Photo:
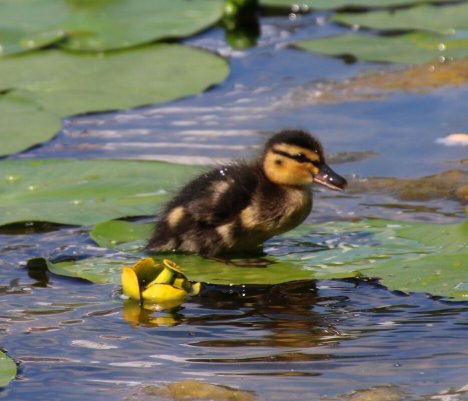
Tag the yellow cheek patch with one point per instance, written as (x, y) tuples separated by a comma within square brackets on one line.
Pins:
[(314, 170)]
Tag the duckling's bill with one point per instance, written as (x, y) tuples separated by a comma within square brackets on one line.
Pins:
[(328, 178)]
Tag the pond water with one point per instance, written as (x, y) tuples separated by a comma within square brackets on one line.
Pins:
[(295, 341)]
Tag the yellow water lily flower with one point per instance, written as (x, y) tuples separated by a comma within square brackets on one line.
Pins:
[(154, 282)]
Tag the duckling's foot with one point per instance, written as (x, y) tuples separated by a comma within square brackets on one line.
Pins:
[(249, 262)]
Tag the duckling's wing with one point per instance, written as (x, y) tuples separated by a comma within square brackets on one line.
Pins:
[(219, 196)]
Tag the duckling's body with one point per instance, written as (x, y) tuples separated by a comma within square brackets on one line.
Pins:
[(234, 209)]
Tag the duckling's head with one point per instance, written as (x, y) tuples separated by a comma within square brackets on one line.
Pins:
[(296, 158)]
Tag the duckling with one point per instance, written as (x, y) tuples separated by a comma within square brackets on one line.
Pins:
[(234, 209)]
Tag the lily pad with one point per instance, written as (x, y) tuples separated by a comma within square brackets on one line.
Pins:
[(110, 234), (412, 48), (101, 25), (337, 4), (57, 83), (94, 270), (406, 256), (84, 191), (18, 132), (7, 369), (442, 19)]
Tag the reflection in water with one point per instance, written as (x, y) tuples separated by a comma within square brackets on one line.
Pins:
[(165, 314), (283, 312)]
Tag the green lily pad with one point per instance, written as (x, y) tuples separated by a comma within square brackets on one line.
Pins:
[(84, 191), (57, 83), (13, 40), (70, 83), (443, 19), (336, 4), (101, 25), (111, 234), (7, 369), (24, 124), (95, 270), (413, 48), (408, 257), (116, 24)]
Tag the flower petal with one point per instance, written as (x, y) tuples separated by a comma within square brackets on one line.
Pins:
[(146, 270), (130, 286), (173, 266), (196, 288), (164, 277), (163, 292)]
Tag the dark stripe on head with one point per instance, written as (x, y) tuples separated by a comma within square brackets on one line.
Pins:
[(299, 157), (297, 138)]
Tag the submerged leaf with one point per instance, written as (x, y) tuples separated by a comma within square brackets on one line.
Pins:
[(450, 184), (191, 390), (374, 84)]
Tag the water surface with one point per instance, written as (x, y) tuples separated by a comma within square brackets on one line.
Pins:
[(296, 341)]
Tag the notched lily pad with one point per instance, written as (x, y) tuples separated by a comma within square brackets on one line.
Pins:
[(7, 369)]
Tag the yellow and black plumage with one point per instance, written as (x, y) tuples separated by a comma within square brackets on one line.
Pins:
[(233, 209)]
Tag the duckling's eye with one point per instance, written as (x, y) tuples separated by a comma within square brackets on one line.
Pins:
[(301, 158)]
